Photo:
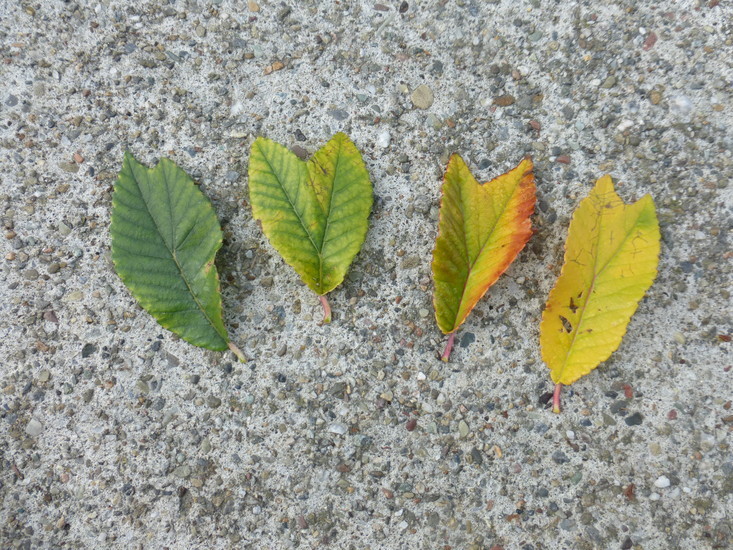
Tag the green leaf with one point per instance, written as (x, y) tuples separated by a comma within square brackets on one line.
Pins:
[(482, 229), (165, 236), (314, 213)]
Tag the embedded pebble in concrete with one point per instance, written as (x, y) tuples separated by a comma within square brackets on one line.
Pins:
[(662, 482), (34, 428), (422, 97), (116, 434)]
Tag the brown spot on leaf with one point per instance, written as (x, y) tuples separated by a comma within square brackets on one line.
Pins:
[(566, 324)]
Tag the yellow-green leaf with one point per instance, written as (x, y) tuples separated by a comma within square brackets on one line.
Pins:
[(314, 213), (611, 257), (165, 236), (481, 230)]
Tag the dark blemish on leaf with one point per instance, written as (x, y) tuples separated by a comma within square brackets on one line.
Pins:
[(566, 324), (573, 307)]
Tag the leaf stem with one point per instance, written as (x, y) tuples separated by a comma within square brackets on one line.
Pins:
[(326, 309), (556, 398), (238, 352), (448, 347)]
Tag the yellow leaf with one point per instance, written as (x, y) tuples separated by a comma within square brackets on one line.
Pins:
[(611, 258)]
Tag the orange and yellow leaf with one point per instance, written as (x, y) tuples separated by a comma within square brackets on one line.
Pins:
[(611, 258), (481, 230)]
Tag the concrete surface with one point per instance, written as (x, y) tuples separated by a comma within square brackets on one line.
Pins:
[(115, 434)]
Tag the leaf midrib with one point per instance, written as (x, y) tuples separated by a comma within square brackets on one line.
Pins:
[(328, 218), (594, 279), (171, 251)]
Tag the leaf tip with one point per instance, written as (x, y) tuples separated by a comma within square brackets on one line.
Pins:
[(341, 136), (605, 184), (454, 159)]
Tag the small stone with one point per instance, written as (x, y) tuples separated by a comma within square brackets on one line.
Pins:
[(232, 175), (707, 442), (30, 274), (559, 457), (276, 66), (87, 350), (200, 31), (253, 6), (383, 139), (87, 395), (655, 97), (610, 82), (477, 456), (338, 428), (422, 97), (299, 152), (44, 376), (680, 105), (467, 339), (182, 471), (463, 429), (434, 122), (504, 100), (34, 428), (634, 420), (213, 402), (662, 482), (338, 114), (649, 41), (411, 262), (411, 424)]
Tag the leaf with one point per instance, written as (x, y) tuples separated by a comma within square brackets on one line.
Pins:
[(611, 257), (314, 213), (481, 230), (165, 236)]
